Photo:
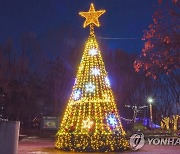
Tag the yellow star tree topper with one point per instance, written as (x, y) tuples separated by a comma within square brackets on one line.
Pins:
[(92, 16), (91, 122)]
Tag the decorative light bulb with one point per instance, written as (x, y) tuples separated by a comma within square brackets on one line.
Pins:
[(112, 120), (75, 81), (87, 123), (95, 71), (107, 81), (77, 94), (93, 51), (90, 87)]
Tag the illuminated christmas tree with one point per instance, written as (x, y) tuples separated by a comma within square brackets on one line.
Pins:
[(91, 121)]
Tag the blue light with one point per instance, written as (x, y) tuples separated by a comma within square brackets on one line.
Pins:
[(112, 120), (77, 94)]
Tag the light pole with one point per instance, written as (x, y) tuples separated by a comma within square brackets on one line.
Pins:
[(150, 101)]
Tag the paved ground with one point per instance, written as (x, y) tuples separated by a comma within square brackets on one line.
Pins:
[(46, 146)]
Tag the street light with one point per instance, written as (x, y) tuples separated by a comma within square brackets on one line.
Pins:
[(150, 101)]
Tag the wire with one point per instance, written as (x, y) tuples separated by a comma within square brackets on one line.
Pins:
[(126, 119), (119, 38)]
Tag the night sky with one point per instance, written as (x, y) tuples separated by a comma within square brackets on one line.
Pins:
[(123, 19)]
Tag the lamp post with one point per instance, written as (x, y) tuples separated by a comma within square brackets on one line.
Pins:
[(150, 101)]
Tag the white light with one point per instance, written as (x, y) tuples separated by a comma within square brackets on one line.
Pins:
[(75, 81), (93, 51), (150, 100), (90, 87), (77, 94), (95, 71), (107, 81)]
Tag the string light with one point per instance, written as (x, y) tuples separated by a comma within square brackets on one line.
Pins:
[(92, 16), (86, 125)]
